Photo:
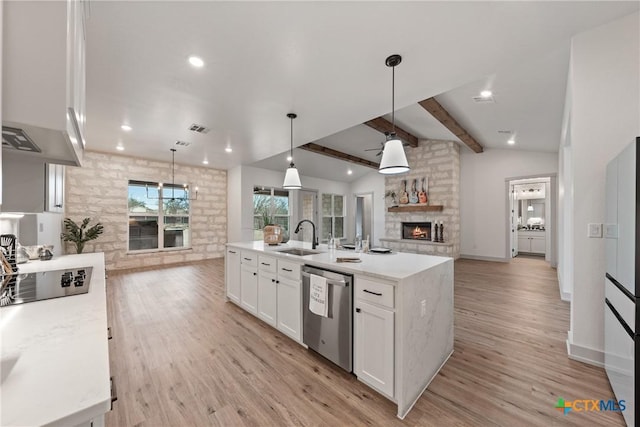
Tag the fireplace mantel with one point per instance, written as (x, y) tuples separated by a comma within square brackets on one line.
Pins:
[(416, 208)]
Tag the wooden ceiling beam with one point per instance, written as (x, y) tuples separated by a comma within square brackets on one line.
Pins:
[(330, 152), (440, 114), (385, 126)]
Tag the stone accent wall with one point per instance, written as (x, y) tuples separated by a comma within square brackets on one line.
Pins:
[(439, 161), (99, 190)]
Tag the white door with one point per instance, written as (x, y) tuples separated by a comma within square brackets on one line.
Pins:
[(513, 223), (289, 308), (267, 298), (373, 346), (249, 289), (232, 275)]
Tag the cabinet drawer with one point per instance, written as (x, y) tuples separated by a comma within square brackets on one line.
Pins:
[(249, 258), (267, 263), (375, 292), (289, 270)]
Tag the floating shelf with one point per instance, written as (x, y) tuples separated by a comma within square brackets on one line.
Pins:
[(416, 208)]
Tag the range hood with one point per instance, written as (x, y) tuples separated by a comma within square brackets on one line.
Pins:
[(50, 145)]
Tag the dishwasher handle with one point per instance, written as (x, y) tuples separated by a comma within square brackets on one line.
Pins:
[(333, 282)]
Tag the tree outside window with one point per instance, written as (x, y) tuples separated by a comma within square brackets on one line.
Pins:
[(270, 206)]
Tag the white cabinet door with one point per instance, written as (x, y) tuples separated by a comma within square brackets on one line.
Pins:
[(524, 244), (627, 203), (232, 275), (249, 289), (374, 346), (290, 307), (538, 245), (267, 297)]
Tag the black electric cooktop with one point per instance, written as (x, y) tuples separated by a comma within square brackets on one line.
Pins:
[(30, 287)]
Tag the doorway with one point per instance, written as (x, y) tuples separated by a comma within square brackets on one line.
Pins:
[(531, 220), (364, 216)]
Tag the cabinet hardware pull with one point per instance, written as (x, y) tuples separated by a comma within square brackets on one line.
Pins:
[(273, 280), (277, 281), (264, 263), (114, 392), (286, 269), (247, 259), (357, 310), (255, 274), (58, 206), (109, 336), (374, 293), (232, 252)]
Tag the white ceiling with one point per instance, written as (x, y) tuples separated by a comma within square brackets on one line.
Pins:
[(324, 61)]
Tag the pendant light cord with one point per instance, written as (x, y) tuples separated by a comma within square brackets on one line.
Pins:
[(291, 152), (173, 173), (393, 99)]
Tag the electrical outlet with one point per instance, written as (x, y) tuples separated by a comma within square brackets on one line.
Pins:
[(595, 230), (423, 308)]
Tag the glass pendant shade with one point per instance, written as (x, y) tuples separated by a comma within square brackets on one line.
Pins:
[(394, 160), (292, 179), (530, 208)]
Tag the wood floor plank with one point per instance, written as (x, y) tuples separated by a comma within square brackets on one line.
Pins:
[(182, 355)]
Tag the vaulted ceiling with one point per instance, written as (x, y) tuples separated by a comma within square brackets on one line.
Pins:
[(324, 61)]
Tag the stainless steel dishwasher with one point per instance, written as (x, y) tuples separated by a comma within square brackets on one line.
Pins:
[(331, 336)]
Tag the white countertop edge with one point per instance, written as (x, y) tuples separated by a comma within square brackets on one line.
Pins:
[(403, 265)]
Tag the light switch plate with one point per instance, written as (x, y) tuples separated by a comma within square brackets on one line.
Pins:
[(611, 231), (595, 230)]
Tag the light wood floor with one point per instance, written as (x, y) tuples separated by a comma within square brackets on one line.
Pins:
[(181, 355)]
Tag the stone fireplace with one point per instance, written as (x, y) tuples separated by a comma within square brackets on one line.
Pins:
[(439, 162), (416, 230)]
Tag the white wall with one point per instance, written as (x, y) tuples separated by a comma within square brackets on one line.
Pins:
[(605, 89), (241, 181), (372, 182), (483, 201)]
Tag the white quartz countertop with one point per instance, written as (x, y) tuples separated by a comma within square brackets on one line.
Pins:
[(54, 353), (394, 266)]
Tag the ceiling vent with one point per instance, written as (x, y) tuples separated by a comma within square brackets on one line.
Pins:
[(505, 132), (199, 128), (183, 143), (483, 100)]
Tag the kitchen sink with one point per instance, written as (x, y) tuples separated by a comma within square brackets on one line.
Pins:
[(298, 251)]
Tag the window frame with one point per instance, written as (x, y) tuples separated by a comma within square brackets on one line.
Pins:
[(161, 219), (332, 216), (271, 195)]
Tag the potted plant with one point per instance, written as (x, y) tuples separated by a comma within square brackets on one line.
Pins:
[(79, 235)]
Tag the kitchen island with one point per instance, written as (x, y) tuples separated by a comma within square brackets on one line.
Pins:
[(55, 355), (402, 308)]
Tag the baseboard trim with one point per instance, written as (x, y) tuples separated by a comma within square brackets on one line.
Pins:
[(484, 258), (564, 296), (586, 355)]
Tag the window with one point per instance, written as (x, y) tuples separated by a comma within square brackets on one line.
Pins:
[(155, 223), (332, 216), (270, 206)]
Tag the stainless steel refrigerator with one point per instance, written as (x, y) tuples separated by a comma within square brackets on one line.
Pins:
[(622, 284)]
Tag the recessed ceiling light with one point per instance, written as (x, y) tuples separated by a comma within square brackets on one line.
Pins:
[(205, 162), (196, 61), (289, 158), (119, 148), (349, 172), (228, 149), (125, 128), (486, 94), (511, 141)]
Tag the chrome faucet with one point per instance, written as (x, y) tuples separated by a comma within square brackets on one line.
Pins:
[(314, 239)]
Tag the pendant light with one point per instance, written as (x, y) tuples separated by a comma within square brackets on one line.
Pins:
[(187, 195), (291, 178), (394, 159)]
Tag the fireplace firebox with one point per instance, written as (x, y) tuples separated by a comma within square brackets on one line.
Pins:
[(416, 230)]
